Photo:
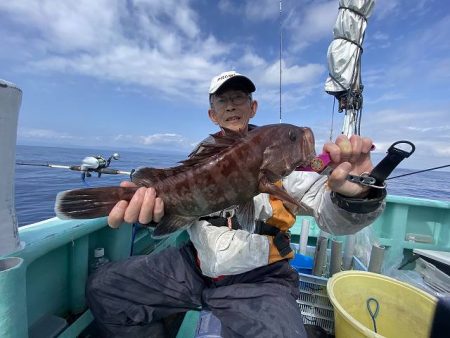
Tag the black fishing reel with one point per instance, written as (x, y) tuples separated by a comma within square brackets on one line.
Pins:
[(96, 164), (88, 165)]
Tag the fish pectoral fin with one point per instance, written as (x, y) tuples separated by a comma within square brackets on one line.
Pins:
[(170, 224), (265, 186), (269, 153)]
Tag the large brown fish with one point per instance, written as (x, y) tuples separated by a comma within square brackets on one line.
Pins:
[(228, 172)]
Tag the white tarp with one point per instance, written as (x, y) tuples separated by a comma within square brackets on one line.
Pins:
[(344, 55)]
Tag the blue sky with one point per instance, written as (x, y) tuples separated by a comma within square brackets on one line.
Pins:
[(135, 74)]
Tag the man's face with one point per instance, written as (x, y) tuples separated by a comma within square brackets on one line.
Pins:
[(232, 109)]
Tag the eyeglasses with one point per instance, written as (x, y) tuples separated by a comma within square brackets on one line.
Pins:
[(237, 99)]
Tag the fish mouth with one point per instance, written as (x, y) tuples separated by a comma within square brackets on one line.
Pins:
[(310, 157), (304, 162)]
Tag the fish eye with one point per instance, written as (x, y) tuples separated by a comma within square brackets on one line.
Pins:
[(292, 136)]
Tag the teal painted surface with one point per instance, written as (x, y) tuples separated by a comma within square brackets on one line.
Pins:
[(13, 307), (48, 285), (78, 326), (43, 237), (54, 285), (78, 273), (406, 223), (57, 253), (189, 325), (116, 242), (56, 260), (412, 201), (409, 223)]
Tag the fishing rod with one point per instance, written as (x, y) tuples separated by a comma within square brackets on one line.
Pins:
[(89, 165)]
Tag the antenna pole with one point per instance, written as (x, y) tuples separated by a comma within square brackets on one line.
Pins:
[(281, 48)]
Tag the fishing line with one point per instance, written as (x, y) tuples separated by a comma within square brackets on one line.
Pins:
[(420, 171), (332, 118), (83, 179)]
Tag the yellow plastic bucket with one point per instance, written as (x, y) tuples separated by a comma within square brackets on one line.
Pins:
[(404, 311)]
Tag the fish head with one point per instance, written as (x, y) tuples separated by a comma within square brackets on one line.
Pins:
[(288, 147)]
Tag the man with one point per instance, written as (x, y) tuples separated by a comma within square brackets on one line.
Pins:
[(242, 276)]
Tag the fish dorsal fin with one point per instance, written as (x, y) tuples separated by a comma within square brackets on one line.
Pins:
[(148, 177), (213, 145), (208, 148)]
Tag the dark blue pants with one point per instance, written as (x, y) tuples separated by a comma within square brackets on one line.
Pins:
[(130, 298), (441, 320)]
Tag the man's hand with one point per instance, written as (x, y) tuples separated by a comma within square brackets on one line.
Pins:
[(349, 156), (144, 208)]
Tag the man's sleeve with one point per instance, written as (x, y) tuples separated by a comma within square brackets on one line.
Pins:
[(222, 251), (334, 213)]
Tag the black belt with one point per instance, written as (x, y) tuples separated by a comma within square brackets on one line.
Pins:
[(281, 239)]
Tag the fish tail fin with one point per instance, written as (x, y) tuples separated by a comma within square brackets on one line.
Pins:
[(91, 202)]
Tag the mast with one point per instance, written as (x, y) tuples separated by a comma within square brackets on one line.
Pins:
[(344, 66), (344, 61)]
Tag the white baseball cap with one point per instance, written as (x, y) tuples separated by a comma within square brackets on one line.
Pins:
[(232, 79)]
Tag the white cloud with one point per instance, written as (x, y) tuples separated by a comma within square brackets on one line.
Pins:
[(65, 26), (162, 139), (403, 8), (384, 8), (295, 74), (148, 43), (380, 36), (412, 124), (225, 6), (436, 129), (156, 45), (252, 60), (260, 10), (385, 97), (307, 24), (254, 10), (419, 58), (153, 140), (45, 134)]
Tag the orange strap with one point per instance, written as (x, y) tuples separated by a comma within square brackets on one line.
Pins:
[(282, 219)]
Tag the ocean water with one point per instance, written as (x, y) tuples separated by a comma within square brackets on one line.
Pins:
[(36, 187)]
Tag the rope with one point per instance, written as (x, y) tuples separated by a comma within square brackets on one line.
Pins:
[(372, 314), (351, 41), (354, 11)]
